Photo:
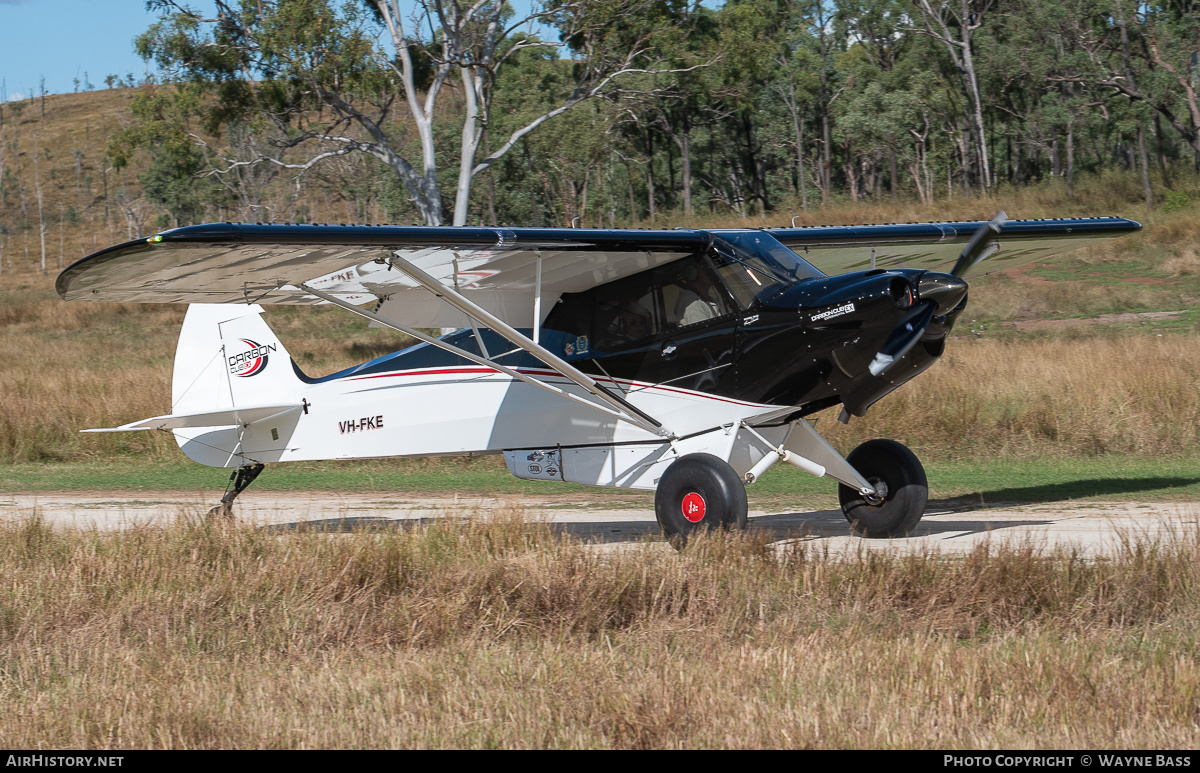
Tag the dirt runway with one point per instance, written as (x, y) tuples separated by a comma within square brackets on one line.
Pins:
[(1093, 529)]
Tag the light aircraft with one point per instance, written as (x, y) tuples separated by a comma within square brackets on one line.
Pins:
[(680, 361)]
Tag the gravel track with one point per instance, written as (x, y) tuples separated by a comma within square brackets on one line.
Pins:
[(1092, 528)]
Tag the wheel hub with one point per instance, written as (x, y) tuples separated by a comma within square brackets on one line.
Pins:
[(693, 507), (880, 493)]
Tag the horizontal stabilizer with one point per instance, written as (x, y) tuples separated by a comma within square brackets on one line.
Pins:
[(227, 417)]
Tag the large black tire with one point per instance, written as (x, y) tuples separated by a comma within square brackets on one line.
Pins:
[(897, 514), (699, 492)]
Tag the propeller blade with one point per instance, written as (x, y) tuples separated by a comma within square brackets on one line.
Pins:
[(903, 338), (977, 249)]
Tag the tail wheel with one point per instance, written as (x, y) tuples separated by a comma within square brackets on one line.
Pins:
[(699, 492), (903, 488)]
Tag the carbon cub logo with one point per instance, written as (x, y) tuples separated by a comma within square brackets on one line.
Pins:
[(252, 362), (836, 311)]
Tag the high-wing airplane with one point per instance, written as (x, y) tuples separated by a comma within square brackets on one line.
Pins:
[(682, 361)]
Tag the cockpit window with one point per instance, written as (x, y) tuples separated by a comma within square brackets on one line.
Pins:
[(754, 263), (690, 294), (633, 310)]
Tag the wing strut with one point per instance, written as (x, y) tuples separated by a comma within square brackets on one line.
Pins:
[(472, 310), (622, 414)]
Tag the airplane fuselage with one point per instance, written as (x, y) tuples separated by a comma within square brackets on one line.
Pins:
[(809, 344)]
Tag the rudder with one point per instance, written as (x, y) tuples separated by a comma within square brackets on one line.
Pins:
[(227, 356)]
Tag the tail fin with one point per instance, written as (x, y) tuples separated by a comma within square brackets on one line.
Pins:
[(227, 357), (230, 368), (235, 398)]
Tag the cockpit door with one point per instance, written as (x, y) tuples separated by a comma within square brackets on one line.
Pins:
[(673, 325)]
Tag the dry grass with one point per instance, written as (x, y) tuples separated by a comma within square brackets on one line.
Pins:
[(74, 366), (499, 634), (1095, 395), (1186, 263)]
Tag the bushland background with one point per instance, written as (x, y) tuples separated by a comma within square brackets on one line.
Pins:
[(465, 632)]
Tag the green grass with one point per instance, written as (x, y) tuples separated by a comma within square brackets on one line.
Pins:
[(990, 482), (984, 481)]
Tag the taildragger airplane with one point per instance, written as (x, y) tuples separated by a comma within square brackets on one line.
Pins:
[(680, 361)]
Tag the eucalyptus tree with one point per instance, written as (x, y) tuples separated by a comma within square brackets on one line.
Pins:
[(750, 44), (955, 23), (1145, 52), (1041, 79), (876, 27), (670, 106), (328, 79), (1150, 53)]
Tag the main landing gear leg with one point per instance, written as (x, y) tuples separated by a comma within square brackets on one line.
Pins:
[(241, 478)]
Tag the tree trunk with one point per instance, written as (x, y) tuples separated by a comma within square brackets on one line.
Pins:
[(1141, 139), (587, 177), (633, 218), (798, 131), (827, 164), (754, 165), (895, 184), (1162, 156), (1070, 158), (685, 158), (487, 148), (671, 199), (914, 171), (37, 182), (964, 150), (650, 175)]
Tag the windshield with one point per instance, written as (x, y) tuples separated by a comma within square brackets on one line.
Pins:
[(757, 264)]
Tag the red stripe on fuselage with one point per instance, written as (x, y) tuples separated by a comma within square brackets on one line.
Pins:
[(537, 372)]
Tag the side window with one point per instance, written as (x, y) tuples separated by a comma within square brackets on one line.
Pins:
[(627, 311), (742, 283)]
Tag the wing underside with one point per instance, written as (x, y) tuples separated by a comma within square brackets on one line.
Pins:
[(937, 246), (501, 271)]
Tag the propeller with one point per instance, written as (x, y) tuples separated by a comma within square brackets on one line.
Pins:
[(909, 331), (978, 248)]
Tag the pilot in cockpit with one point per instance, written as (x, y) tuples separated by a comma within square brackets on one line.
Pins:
[(634, 322), (698, 299)]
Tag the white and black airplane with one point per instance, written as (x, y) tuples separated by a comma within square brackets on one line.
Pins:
[(682, 361)]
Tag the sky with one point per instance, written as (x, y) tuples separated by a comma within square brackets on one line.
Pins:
[(61, 40)]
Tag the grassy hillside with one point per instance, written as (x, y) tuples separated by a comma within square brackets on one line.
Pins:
[(85, 204)]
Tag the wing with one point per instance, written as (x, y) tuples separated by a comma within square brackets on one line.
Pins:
[(936, 246), (497, 269)]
